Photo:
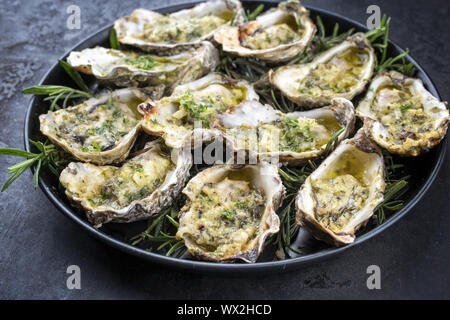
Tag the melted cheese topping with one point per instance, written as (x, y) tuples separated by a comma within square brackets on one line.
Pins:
[(118, 187), (271, 37), (94, 128), (225, 217), (339, 75), (402, 114), (342, 192), (297, 135), (175, 30)]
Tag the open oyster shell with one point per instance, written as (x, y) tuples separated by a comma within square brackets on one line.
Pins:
[(266, 133), (189, 113), (230, 211), (152, 31), (141, 187), (100, 130), (127, 68), (400, 115), (342, 71), (343, 192), (277, 35)]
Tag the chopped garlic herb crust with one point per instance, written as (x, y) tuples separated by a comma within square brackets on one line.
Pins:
[(339, 75), (94, 128), (271, 37), (175, 30), (286, 134), (342, 192), (200, 106), (118, 187), (225, 217), (401, 113)]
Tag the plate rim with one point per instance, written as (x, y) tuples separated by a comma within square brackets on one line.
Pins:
[(209, 267)]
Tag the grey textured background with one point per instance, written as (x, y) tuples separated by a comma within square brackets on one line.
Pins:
[(37, 243)]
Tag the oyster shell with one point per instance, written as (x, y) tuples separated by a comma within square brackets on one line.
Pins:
[(238, 207), (293, 137), (277, 35), (153, 31), (141, 187), (127, 68), (100, 130), (400, 115), (190, 111), (342, 71), (343, 192)]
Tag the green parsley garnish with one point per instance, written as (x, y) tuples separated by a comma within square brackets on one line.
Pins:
[(228, 214), (405, 107), (241, 205), (143, 62), (96, 146)]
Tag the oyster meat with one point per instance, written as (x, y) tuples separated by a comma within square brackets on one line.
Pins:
[(152, 31), (190, 111), (128, 68), (295, 137), (141, 187), (230, 211), (342, 71), (277, 35), (343, 192), (100, 130), (402, 116)]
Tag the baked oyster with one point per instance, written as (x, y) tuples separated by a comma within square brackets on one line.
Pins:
[(266, 133), (343, 192), (100, 130), (141, 187), (277, 35), (230, 211), (402, 116), (189, 113), (153, 31), (128, 68), (342, 71)]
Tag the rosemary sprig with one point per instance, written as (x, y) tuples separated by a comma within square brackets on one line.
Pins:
[(322, 42), (375, 33), (332, 140), (292, 178), (391, 202), (161, 230), (251, 15), (384, 63), (56, 93), (49, 156), (74, 75), (113, 41)]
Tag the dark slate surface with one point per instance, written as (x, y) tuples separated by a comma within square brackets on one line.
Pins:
[(37, 243)]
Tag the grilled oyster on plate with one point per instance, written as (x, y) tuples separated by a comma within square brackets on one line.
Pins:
[(343, 192), (100, 130), (342, 71), (401, 115), (153, 31), (128, 68), (141, 187), (230, 211), (293, 137), (277, 35), (190, 111)]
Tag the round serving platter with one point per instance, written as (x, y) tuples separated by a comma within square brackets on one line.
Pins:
[(423, 170)]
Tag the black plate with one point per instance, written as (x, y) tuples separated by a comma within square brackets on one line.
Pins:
[(423, 170)]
